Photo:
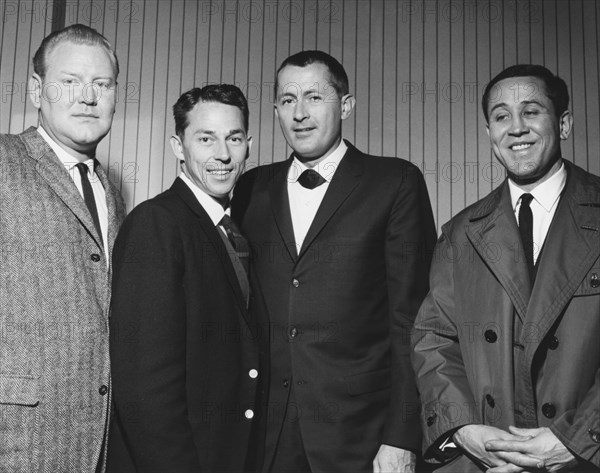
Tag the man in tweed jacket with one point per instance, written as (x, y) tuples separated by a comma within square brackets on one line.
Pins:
[(54, 263)]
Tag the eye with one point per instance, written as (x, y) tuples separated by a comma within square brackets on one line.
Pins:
[(500, 117), (204, 139), (70, 82), (531, 112), (103, 84), (315, 98), (286, 101)]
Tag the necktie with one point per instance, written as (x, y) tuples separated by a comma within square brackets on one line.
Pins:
[(526, 230), (239, 243), (88, 194), (310, 179)]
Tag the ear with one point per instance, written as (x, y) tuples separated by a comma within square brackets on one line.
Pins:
[(35, 90), (177, 147), (565, 124), (276, 111), (487, 129), (348, 102)]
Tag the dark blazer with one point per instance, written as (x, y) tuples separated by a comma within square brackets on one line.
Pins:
[(489, 349), (54, 304), (343, 305), (183, 344)]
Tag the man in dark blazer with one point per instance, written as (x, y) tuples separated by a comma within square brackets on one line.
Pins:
[(184, 347), (341, 254), (506, 343), (59, 216)]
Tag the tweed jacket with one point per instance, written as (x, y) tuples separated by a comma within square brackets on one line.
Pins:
[(490, 349), (54, 303)]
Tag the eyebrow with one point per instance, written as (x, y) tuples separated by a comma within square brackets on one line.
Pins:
[(524, 102), (233, 131)]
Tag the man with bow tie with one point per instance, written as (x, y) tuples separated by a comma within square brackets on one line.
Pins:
[(340, 244)]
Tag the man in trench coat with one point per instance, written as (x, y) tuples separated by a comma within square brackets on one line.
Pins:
[(506, 344)]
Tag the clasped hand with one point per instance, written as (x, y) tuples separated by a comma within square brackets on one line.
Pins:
[(515, 451)]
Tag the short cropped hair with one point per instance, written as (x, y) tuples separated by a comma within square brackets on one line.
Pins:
[(339, 78), (221, 93), (77, 34), (556, 89)]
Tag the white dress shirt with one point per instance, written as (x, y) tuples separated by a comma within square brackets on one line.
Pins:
[(69, 162), (543, 205), (213, 208), (304, 202)]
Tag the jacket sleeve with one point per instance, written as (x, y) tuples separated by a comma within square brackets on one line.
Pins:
[(410, 237), (579, 429), (148, 343), (447, 401)]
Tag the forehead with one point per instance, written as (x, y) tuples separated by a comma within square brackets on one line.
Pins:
[(215, 116), (296, 79), (515, 90), (73, 57)]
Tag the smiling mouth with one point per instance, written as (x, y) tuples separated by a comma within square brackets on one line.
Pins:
[(219, 172), (521, 146)]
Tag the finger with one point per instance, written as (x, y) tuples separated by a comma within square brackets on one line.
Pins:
[(506, 468), (506, 446), (523, 432), (519, 459)]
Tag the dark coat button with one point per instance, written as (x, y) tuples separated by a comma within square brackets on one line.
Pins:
[(431, 420), (595, 280), (549, 410), (490, 336), (286, 383), (490, 400), (595, 435), (95, 257), (103, 390), (553, 343)]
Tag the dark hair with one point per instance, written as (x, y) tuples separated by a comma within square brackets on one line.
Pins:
[(556, 89), (339, 78), (77, 34), (220, 93)]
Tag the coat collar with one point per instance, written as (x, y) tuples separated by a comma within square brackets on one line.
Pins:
[(182, 190), (570, 248), (52, 171), (343, 183)]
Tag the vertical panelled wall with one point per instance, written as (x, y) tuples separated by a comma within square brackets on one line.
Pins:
[(417, 69)]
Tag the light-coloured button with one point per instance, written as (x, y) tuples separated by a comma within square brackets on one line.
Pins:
[(249, 414), (295, 283), (253, 373)]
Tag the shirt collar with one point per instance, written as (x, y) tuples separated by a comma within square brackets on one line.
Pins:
[(68, 161), (325, 168), (546, 193), (213, 208)]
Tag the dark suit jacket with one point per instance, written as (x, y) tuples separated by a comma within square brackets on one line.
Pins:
[(342, 307), (182, 344), (54, 304), (489, 349)]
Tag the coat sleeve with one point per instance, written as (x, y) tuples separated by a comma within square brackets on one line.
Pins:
[(579, 429), (148, 343), (446, 398), (410, 237)]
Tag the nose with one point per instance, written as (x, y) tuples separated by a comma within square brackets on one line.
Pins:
[(517, 125), (222, 151), (300, 111), (89, 94)]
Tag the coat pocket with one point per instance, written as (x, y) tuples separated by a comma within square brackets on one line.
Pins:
[(368, 382), (19, 390)]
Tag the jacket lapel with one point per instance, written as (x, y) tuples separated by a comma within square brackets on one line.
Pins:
[(280, 206), (344, 181), (570, 249), (114, 206), (494, 234), (186, 194), (51, 170)]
